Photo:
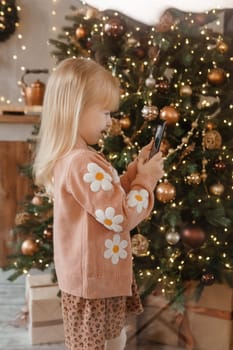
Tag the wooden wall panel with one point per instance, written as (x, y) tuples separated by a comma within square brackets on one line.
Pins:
[(13, 188)]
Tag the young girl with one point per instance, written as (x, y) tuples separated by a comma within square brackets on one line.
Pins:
[(94, 208)]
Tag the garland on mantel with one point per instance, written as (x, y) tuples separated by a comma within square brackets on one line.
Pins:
[(8, 18)]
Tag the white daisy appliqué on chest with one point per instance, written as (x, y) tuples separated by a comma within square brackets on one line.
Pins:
[(98, 178), (109, 219), (138, 199), (115, 249)]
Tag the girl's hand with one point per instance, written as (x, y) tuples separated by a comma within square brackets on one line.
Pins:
[(153, 166), (145, 151)]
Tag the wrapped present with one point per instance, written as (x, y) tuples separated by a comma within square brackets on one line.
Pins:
[(210, 319), (205, 324), (45, 316), (158, 323)]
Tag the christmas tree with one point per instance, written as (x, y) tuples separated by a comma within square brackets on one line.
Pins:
[(180, 71)]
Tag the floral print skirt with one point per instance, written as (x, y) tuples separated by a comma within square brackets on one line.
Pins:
[(88, 323)]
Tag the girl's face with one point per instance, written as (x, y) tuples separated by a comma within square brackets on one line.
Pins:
[(93, 123)]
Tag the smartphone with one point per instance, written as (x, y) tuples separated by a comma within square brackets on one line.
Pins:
[(158, 138)]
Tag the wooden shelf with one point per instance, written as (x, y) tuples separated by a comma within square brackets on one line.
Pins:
[(19, 119)]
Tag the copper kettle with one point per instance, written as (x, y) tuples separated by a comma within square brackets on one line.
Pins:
[(34, 93)]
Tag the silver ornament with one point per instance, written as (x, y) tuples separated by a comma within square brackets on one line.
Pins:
[(172, 237)]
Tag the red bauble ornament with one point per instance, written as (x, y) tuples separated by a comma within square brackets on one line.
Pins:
[(115, 27), (193, 236), (169, 114), (29, 247)]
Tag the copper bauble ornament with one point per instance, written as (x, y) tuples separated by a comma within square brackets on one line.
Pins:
[(165, 23), (115, 27), (172, 237), (165, 192), (150, 112), (186, 90), (169, 114), (125, 122), (139, 244), (222, 47), (162, 85), (212, 139), (216, 76), (81, 32), (164, 147), (193, 236), (29, 247), (194, 179), (208, 279), (217, 189), (36, 200)]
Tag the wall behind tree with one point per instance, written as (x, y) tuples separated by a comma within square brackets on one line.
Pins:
[(40, 20)]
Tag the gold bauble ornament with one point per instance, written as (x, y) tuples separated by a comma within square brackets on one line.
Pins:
[(186, 90), (115, 129), (165, 192), (169, 114), (212, 139), (222, 47), (216, 76), (194, 179), (139, 244), (29, 247), (150, 112), (36, 200), (172, 237), (81, 32), (125, 122), (217, 189)]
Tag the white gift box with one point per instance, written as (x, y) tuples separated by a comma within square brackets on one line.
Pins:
[(45, 315)]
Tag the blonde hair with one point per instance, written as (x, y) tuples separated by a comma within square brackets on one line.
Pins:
[(74, 85)]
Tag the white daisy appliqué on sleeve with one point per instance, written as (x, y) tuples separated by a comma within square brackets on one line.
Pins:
[(115, 249), (138, 199), (98, 178), (109, 219)]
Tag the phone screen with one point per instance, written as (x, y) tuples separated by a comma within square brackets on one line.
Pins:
[(158, 138)]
